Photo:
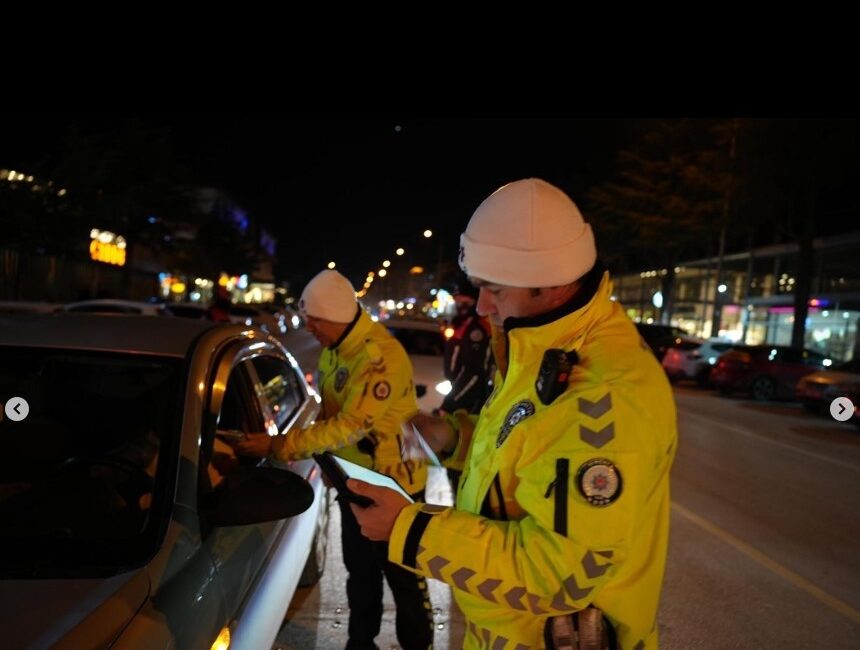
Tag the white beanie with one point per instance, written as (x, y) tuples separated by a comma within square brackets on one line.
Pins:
[(329, 296), (527, 234)]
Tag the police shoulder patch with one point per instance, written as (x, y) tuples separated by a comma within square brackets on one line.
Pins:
[(599, 481), (340, 378), (381, 390), (519, 412)]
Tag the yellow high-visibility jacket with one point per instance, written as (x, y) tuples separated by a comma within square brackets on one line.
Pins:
[(367, 392), (561, 505)]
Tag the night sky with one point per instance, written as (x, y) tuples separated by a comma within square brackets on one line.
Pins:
[(352, 190)]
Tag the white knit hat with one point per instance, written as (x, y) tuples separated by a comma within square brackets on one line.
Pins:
[(527, 234), (329, 296)]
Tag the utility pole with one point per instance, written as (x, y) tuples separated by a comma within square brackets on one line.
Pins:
[(718, 308)]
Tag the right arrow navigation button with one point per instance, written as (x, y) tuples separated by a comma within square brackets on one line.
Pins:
[(842, 409)]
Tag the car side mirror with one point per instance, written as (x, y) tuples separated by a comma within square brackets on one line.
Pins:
[(253, 495), (420, 390)]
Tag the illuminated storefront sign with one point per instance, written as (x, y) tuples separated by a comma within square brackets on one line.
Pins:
[(107, 247)]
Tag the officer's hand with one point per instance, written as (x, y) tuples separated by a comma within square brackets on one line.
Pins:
[(255, 444), (436, 431), (377, 521)]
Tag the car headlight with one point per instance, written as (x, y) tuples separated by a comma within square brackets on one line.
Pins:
[(443, 387)]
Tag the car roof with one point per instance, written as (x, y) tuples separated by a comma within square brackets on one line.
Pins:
[(157, 335)]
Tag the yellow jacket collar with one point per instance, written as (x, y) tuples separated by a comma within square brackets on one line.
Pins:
[(353, 338), (560, 327)]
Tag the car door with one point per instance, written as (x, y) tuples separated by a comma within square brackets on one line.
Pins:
[(237, 552), (258, 565), (788, 368)]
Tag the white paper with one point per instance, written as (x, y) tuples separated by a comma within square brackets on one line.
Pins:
[(369, 476), (416, 448)]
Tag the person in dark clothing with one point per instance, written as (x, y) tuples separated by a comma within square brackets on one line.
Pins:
[(468, 356), (219, 310), (468, 362)]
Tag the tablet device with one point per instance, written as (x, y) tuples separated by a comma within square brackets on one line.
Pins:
[(338, 470)]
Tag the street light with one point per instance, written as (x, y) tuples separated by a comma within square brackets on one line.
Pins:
[(386, 264), (428, 233), (400, 251), (331, 265)]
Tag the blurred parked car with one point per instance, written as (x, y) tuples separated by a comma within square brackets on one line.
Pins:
[(816, 390), (693, 358), (188, 310), (110, 306), (257, 317), (425, 344), (290, 317), (125, 519), (293, 317), (659, 337), (764, 371)]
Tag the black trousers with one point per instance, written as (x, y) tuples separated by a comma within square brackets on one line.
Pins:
[(366, 562)]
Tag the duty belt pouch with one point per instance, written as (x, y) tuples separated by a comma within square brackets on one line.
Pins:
[(582, 630)]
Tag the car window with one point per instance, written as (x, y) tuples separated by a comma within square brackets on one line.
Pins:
[(811, 358), (686, 345), (281, 388), (787, 355), (234, 414), (83, 479), (422, 342), (849, 366)]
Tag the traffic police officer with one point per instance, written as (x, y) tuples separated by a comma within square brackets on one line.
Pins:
[(560, 530), (367, 391)]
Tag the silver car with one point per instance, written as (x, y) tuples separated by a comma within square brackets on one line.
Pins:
[(125, 519)]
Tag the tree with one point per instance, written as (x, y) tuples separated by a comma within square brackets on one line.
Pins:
[(667, 203)]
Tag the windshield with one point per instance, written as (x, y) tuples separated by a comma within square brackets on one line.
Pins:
[(83, 477)]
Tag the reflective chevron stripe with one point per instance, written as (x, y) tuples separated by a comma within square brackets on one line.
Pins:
[(596, 409), (597, 438)]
